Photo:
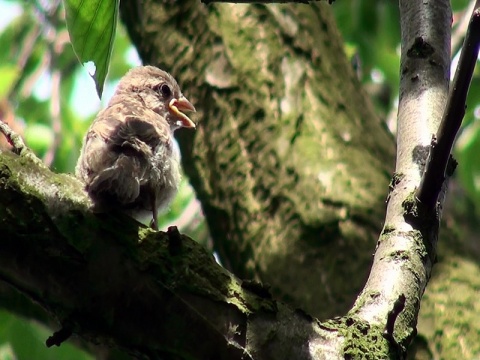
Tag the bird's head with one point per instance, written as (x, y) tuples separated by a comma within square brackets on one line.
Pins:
[(159, 92)]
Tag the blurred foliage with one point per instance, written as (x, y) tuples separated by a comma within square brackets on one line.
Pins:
[(25, 339), (371, 29), (47, 96)]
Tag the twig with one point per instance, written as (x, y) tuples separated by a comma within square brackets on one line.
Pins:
[(17, 143), (174, 241), (13, 138), (59, 337), (441, 146)]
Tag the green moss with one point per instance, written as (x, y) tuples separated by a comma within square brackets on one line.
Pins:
[(410, 205), (362, 341), (388, 229), (396, 179), (5, 171), (195, 270), (364, 299), (420, 247), (399, 255)]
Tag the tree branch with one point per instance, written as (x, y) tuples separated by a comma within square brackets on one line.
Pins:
[(406, 249), (13, 138), (112, 281), (441, 146)]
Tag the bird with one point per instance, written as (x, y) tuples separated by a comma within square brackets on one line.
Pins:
[(129, 161)]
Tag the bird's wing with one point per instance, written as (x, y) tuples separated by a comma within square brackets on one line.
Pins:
[(135, 135), (131, 131), (120, 141)]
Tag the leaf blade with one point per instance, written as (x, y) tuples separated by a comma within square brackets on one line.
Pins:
[(92, 25)]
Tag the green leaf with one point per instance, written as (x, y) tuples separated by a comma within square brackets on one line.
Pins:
[(91, 25)]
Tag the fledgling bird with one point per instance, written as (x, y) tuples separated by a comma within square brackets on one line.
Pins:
[(128, 159)]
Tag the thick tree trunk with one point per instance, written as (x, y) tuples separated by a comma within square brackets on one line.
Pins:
[(289, 160)]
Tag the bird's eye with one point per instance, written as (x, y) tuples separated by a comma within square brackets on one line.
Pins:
[(165, 90)]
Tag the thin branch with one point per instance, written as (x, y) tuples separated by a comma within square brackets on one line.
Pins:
[(13, 138), (442, 143), (59, 337), (18, 145), (405, 252)]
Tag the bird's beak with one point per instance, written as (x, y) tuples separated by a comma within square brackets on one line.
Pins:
[(177, 106)]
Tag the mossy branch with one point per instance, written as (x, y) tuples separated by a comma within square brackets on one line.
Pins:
[(115, 282)]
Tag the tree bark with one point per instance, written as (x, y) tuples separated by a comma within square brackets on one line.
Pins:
[(283, 126), (154, 295)]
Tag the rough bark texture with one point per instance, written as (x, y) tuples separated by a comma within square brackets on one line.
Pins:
[(283, 126)]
